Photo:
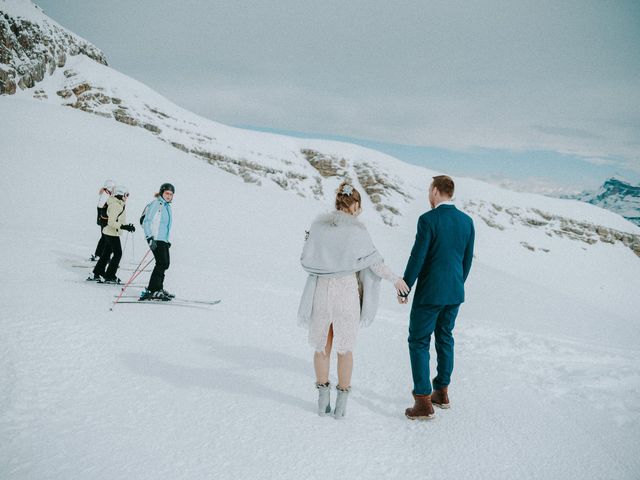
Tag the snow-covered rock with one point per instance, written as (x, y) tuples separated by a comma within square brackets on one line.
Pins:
[(617, 196), (33, 46)]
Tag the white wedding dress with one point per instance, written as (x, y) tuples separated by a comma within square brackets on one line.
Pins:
[(337, 301)]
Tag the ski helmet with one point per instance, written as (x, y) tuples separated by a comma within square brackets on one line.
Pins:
[(109, 184), (167, 186), (121, 190)]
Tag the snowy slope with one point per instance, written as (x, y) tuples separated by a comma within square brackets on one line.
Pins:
[(546, 385)]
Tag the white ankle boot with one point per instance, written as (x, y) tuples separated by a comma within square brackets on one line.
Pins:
[(341, 403), (324, 398)]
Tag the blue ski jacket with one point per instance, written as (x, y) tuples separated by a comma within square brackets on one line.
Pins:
[(157, 220)]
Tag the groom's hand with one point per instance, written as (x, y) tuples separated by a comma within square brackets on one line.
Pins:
[(401, 287)]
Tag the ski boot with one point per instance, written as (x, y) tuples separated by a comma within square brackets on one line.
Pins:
[(112, 281), (154, 296), (167, 294), (94, 278), (145, 295)]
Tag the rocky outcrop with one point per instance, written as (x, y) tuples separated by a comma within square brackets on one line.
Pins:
[(326, 165), (553, 225), (121, 115), (379, 186), (29, 51), (249, 171)]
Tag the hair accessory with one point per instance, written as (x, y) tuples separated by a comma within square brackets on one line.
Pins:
[(347, 190)]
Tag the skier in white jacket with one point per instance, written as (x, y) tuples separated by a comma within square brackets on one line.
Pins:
[(105, 192)]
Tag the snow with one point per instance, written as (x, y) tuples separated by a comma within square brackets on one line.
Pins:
[(25, 9), (547, 378), (31, 12)]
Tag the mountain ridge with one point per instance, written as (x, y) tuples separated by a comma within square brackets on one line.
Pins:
[(615, 195)]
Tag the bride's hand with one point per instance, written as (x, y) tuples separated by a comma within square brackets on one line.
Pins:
[(401, 286)]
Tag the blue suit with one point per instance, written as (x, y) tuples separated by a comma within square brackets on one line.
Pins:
[(440, 261)]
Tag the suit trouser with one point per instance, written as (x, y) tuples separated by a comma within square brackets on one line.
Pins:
[(161, 254), (426, 320), (111, 245)]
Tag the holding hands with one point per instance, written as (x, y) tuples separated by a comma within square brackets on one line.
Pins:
[(403, 290)]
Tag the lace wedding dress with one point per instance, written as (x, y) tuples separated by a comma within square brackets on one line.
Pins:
[(337, 302)]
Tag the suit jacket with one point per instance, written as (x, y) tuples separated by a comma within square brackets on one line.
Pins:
[(441, 256)]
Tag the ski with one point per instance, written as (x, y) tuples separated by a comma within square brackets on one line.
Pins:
[(89, 282), (180, 299), (104, 282), (127, 268), (173, 302)]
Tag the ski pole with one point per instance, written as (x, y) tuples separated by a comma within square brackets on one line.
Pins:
[(133, 275), (126, 239), (142, 269), (141, 261)]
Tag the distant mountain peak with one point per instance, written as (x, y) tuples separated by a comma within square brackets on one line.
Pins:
[(616, 195), (616, 182)]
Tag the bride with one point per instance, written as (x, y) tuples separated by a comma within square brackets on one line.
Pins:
[(341, 292)]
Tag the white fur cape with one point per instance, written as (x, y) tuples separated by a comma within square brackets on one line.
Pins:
[(339, 244)]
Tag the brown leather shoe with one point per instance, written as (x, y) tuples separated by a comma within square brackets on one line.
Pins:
[(422, 408), (440, 398)]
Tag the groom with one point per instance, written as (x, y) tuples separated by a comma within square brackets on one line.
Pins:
[(440, 261)]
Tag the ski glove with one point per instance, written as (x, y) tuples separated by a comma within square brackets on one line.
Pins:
[(152, 243), (130, 227)]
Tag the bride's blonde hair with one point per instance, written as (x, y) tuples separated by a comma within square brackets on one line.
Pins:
[(346, 196)]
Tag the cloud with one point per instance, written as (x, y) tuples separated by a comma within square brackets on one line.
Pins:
[(601, 161), (523, 75), (566, 132), (539, 185), (445, 121)]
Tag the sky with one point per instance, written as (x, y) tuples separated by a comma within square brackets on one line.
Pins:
[(542, 94)]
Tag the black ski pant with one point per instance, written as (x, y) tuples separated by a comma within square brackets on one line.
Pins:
[(111, 246), (161, 254), (100, 246)]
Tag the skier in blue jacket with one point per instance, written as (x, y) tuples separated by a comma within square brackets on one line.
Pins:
[(157, 227)]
